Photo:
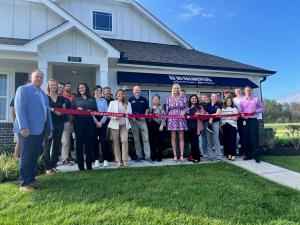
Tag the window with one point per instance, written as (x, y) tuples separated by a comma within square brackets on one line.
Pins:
[(102, 21), (3, 97), (163, 96)]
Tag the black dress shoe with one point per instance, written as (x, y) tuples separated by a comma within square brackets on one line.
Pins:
[(257, 160), (247, 158)]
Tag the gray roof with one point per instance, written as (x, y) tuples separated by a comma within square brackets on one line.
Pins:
[(144, 53), (13, 41)]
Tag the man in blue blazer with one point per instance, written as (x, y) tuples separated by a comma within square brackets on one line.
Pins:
[(33, 122)]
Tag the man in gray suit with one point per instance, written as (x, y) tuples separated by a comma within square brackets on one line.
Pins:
[(33, 122)]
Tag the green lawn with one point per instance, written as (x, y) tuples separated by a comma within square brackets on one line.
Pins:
[(289, 162), (189, 194)]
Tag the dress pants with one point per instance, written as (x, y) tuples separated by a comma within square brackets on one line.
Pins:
[(251, 138), (121, 134), (139, 127), (156, 140), (85, 134), (194, 140), (31, 148), (240, 131), (229, 139)]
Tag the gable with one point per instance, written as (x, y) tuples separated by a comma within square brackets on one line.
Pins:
[(26, 19), (130, 21), (72, 43)]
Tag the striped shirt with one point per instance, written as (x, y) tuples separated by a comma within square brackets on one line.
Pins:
[(229, 120)]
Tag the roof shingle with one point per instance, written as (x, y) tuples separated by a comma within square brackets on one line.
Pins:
[(13, 41), (144, 53)]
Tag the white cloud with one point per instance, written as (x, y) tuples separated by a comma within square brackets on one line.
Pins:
[(191, 11)]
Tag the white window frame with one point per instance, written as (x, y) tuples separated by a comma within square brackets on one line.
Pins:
[(7, 92), (112, 32)]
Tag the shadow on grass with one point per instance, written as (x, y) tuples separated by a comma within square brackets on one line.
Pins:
[(194, 194)]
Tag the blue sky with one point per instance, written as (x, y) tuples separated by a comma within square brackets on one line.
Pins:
[(262, 33)]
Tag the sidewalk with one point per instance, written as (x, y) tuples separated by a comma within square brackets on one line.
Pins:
[(131, 163), (271, 172)]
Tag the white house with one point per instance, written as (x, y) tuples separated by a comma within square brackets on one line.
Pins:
[(107, 42)]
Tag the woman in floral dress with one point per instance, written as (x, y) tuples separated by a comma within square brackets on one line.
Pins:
[(177, 105)]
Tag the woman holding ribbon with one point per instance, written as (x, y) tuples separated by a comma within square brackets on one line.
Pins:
[(229, 128), (195, 126), (58, 120), (84, 125), (101, 129), (212, 127), (176, 105), (155, 128), (119, 127)]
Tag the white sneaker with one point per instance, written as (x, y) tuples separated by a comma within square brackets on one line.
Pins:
[(105, 163), (97, 164)]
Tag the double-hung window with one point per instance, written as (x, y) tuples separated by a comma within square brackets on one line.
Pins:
[(3, 97)]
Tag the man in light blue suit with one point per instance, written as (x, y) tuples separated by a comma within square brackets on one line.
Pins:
[(33, 122)]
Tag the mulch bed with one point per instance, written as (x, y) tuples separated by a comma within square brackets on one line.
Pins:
[(283, 151)]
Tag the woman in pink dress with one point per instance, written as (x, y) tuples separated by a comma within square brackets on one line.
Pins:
[(177, 105)]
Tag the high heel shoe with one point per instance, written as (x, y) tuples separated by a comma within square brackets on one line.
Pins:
[(181, 159), (175, 160)]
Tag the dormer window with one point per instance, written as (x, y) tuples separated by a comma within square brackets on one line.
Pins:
[(102, 21)]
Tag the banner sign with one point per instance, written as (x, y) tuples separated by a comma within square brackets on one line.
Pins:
[(187, 79)]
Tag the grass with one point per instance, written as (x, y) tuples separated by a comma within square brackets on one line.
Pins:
[(288, 162), (189, 194)]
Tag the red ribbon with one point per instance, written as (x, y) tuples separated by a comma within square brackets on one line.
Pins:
[(144, 116)]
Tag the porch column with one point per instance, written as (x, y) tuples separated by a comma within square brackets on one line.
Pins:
[(43, 66), (102, 74), (104, 78)]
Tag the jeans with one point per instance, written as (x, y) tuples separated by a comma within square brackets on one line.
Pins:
[(101, 137), (213, 142), (203, 144)]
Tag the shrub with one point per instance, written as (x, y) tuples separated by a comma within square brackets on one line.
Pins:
[(7, 149), (9, 167), (293, 133), (268, 139), (282, 142)]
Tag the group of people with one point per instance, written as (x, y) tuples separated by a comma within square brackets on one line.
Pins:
[(36, 123)]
